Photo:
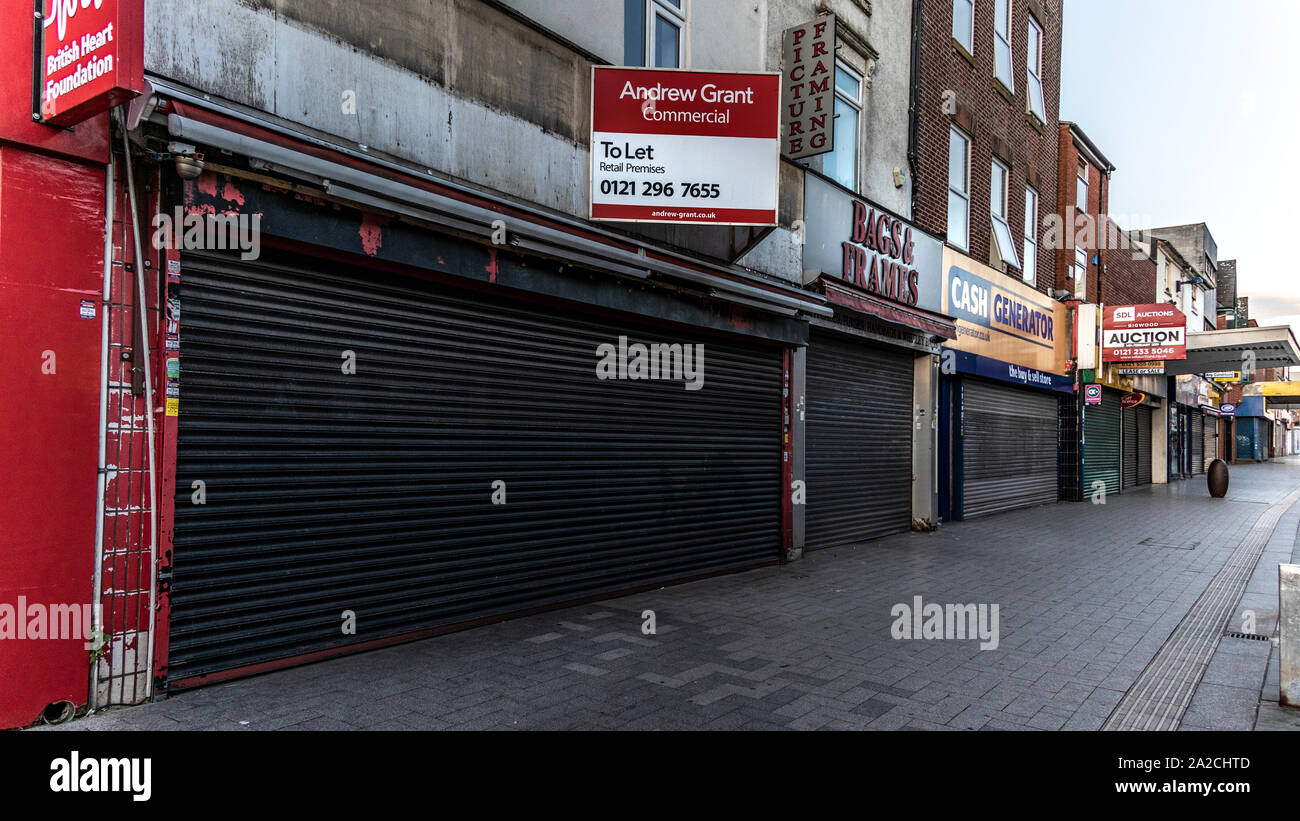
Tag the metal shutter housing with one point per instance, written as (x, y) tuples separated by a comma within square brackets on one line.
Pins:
[(1009, 448), (372, 492), (1101, 444), (858, 441)]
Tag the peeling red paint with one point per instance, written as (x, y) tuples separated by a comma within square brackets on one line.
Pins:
[(440, 262), (207, 183), (372, 234), (492, 265), (740, 321), (231, 194)]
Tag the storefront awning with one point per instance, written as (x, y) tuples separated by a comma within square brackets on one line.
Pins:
[(1279, 395), (924, 321), (376, 183), (1227, 350)]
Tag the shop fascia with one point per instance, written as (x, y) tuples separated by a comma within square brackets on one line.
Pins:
[(869, 248)]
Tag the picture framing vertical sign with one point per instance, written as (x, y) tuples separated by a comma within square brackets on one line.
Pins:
[(807, 88), (676, 146), (88, 57)]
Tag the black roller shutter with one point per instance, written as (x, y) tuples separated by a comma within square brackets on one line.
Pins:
[(1009, 438), (1130, 451), (372, 492), (1144, 445), (858, 452), (1197, 437), (1101, 444)]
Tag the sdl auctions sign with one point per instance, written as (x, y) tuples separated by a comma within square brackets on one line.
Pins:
[(89, 58), (684, 146), (1137, 333)]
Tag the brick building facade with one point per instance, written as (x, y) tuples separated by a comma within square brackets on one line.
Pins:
[(1082, 203), (958, 88)]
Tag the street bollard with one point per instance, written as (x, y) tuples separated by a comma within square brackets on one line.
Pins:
[(1216, 478), (1288, 590)]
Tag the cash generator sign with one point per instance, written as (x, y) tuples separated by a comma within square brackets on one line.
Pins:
[(1137, 333), (684, 146)]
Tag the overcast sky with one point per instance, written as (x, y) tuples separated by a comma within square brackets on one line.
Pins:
[(1195, 104)]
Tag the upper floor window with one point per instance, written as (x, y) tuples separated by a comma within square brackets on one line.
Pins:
[(652, 33), (1080, 273), (1006, 247), (963, 24), (1081, 190), (958, 189), (1002, 42), (1034, 69), (1031, 235), (841, 164)]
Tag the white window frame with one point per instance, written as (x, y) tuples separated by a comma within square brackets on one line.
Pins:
[(1081, 187), (964, 191), (1080, 273), (1000, 37), (1030, 272), (969, 43), (857, 106), (1034, 72), (998, 214), (655, 9)]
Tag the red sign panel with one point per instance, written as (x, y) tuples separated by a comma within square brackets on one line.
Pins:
[(684, 146), (91, 57), (1131, 400), (1137, 333)]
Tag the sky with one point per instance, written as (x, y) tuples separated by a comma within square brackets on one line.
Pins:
[(1197, 105)]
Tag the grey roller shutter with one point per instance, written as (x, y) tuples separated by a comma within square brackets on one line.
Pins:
[(1101, 444), (1210, 449), (1144, 445), (1130, 450), (1197, 437), (1009, 448), (858, 435), (372, 492)]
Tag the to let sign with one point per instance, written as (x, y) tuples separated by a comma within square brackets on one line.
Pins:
[(808, 96), (89, 58), (684, 146), (1139, 333)]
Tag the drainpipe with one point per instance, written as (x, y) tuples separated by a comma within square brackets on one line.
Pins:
[(97, 586), (913, 129), (143, 353)]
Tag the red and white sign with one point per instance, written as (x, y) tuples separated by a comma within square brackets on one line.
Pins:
[(1137, 333), (684, 146), (91, 58)]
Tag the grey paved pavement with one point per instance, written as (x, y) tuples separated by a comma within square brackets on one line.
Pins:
[(1087, 594)]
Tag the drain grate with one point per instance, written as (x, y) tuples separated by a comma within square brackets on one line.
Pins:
[(1150, 541), (1251, 636)]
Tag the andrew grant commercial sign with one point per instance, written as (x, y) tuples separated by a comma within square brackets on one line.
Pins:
[(684, 146)]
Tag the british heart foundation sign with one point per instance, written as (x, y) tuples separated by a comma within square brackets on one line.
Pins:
[(684, 146), (89, 58)]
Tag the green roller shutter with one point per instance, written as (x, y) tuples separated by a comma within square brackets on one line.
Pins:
[(1101, 443)]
